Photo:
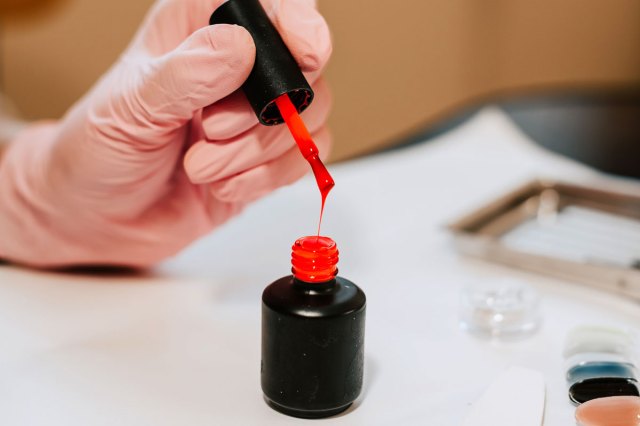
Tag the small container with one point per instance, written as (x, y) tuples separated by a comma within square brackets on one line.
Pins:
[(591, 338), (594, 370), (585, 358), (312, 335), (602, 387), (504, 309), (610, 411)]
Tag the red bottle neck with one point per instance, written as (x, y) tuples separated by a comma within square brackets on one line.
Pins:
[(314, 259)]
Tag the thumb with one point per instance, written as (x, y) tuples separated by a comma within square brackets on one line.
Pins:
[(209, 65)]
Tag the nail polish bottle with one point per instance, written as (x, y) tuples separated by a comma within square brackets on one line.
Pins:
[(312, 335)]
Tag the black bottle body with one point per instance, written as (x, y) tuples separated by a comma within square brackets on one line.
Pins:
[(312, 346)]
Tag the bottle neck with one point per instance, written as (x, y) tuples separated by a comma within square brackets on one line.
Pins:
[(314, 260), (323, 288)]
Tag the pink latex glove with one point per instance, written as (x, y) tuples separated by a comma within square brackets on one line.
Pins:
[(163, 149)]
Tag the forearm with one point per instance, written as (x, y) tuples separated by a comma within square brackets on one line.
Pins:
[(49, 219), (10, 124), (7, 134), (40, 226), (24, 200)]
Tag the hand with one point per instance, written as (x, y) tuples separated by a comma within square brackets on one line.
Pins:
[(10, 123), (163, 149)]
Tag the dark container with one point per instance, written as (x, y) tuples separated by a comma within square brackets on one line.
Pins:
[(312, 346), (275, 71), (602, 387), (594, 370)]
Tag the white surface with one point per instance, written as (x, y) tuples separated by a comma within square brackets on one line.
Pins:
[(180, 346), (516, 397)]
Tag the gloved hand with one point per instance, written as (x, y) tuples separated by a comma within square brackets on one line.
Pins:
[(163, 149)]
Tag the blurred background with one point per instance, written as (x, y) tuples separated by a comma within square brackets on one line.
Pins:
[(567, 72)]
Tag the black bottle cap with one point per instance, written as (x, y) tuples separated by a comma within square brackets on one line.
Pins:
[(275, 71)]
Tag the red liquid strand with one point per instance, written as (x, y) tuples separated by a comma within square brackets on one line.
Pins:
[(307, 147), (314, 259)]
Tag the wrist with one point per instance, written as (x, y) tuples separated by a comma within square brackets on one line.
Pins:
[(10, 123), (25, 201)]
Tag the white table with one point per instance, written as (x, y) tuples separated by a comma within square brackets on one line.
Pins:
[(181, 344)]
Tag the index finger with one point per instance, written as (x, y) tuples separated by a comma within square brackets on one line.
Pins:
[(169, 22), (304, 31)]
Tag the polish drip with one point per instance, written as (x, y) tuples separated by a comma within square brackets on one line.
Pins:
[(314, 259), (307, 147)]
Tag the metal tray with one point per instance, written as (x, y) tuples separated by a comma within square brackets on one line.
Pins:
[(560, 229)]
